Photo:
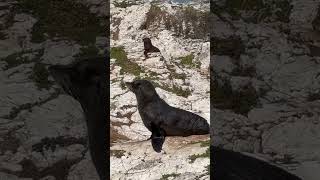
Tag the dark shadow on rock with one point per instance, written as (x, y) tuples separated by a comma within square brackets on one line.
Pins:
[(230, 165), (86, 81)]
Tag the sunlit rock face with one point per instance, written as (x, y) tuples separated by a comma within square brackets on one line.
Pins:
[(265, 88), (180, 73)]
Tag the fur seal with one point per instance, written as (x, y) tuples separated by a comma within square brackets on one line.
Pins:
[(148, 47), (162, 119), (86, 81), (230, 165)]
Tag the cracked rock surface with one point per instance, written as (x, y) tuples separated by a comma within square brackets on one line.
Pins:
[(265, 83), (180, 73), (42, 130)]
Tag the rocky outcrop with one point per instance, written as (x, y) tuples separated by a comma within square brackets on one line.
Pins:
[(265, 81), (180, 75), (42, 131), (182, 158)]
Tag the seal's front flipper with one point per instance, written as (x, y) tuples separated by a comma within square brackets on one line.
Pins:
[(157, 138), (157, 143)]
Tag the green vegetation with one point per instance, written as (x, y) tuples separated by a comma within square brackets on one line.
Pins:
[(206, 154), (188, 61), (154, 13), (127, 66), (188, 22), (174, 89), (124, 4), (177, 90), (152, 76), (174, 74), (117, 153), (198, 23), (65, 19), (167, 176), (205, 143)]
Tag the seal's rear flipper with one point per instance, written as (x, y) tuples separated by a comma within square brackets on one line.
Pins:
[(157, 138)]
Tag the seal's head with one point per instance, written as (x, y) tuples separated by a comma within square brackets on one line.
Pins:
[(82, 78), (147, 43), (143, 89), (86, 81), (146, 40)]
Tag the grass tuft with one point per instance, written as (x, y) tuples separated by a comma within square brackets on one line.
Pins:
[(124, 4), (193, 158), (127, 66), (188, 61), (117, 153), (167, 176)]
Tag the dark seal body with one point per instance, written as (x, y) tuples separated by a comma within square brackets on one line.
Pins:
[(162, 119), (174, 121), (148, 47), (86, 81), (230, 165)]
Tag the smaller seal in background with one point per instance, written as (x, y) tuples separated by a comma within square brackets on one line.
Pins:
[(148, 47)]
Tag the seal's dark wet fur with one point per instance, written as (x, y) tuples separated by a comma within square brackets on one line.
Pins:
[(164, 120), (86, 81), (148, 47), (230, 165)]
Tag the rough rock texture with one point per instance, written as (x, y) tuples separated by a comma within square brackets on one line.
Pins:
[(42, 131), (265, 83), (180, 73), (182, 158)]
